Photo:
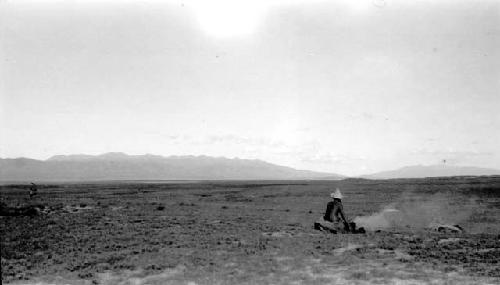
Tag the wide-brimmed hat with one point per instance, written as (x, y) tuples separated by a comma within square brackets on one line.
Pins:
[(336, 194)]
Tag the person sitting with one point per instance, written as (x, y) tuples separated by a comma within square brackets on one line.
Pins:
[(334, 219)]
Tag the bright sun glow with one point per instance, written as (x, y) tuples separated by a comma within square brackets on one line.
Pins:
[(237, 18), (234, 18), (228, 18)]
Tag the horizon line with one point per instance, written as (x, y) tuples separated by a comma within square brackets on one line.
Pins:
[(252, 159)]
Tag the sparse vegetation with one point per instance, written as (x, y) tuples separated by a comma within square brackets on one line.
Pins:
[(243, 233)]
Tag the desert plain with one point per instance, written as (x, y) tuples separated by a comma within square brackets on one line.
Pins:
[(250, 232)]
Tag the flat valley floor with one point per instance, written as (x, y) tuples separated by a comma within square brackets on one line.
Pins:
[(224, 232)]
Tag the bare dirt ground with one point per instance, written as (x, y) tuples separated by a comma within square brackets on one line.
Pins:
[(248, 233)]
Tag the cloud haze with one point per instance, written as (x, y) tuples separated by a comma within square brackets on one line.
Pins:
[(326, 85)]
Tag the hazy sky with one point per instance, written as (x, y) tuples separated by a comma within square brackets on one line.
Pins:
[(321, 85)]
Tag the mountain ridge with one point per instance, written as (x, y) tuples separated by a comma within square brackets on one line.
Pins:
[(121, 166), (435, 170)]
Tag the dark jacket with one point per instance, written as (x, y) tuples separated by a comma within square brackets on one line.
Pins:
[(335, 211)]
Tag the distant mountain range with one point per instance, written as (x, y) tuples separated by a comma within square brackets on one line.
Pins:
[(120, 166), (421, 171)]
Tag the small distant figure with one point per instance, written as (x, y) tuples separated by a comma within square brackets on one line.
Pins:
[(334, 219), (33, 190)]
